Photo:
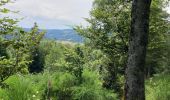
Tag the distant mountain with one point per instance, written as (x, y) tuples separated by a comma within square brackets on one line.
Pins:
[(62, 35)]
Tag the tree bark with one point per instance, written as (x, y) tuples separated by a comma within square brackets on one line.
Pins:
[(134, 85)]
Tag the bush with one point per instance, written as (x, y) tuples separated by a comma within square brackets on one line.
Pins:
[(53, 52), (91, 88), (56, 86), (62, 86), (66, 86)]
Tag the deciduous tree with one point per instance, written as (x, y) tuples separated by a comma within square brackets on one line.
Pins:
[(138, 40)]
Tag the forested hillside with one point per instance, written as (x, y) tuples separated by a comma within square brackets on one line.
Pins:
[(61, 35), (122, 54)]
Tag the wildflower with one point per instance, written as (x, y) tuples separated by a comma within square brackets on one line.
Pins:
[(154, 83), (37, 92), (33, 96)]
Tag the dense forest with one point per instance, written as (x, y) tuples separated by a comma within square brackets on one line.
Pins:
[(125, 56)]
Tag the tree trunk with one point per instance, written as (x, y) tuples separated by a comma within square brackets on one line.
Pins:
[(134, 86)]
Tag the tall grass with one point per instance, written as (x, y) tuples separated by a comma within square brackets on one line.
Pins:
[(158, 88), (19, 88), (24, 87)]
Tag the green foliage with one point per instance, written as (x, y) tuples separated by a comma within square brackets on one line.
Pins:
[(18, 52), (19, 88), (7, 26), (75, 60), (2, 48), (3, 94), (108, 32), (91, 88), (68, 58), (25, 87), (109, 26), (15, 45), (159, 27), (66, 86), (6, 69), (158, 87), (53, 53), (90, 71), (33, 39), (62, 86), (39, 84)]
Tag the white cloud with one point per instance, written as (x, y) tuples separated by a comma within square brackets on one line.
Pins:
[(58, 12)]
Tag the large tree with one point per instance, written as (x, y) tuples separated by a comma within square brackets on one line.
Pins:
[(138, 40), (108, 32), (16, 45), (109, 26)]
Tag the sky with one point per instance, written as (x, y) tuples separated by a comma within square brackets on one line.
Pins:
[(51, 14)]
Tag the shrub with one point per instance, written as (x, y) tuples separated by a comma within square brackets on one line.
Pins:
[(91, 88), (57, 86), (66, 86), (62, 86)]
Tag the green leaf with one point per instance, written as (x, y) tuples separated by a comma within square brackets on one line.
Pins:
[(5, 10)]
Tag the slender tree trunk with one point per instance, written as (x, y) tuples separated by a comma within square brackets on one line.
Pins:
[(134, 86)]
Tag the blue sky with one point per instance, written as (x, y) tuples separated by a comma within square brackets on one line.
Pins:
[(51, 14)]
